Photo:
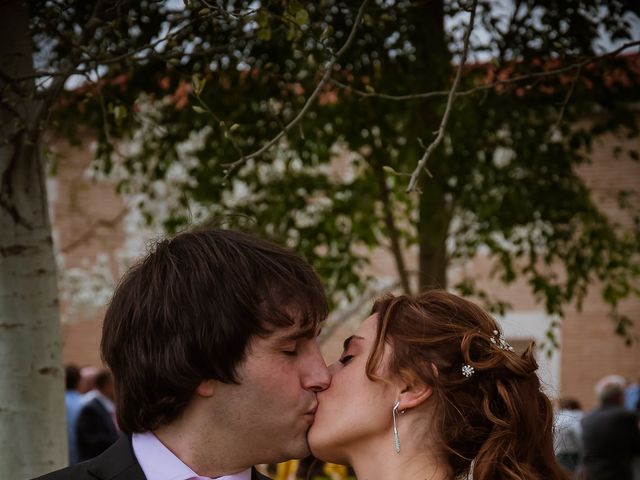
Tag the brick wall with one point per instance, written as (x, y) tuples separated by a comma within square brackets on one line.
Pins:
[(87, 221)]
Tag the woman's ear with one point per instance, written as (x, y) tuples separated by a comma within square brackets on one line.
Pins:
[(413, 392)]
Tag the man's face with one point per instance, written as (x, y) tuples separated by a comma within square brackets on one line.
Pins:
[(274, 404)]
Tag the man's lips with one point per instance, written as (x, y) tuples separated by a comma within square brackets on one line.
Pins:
[(311, 413)]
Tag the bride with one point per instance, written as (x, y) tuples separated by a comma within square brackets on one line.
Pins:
[(428, 388)]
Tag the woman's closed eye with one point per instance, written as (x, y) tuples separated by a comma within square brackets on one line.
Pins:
[(345, 359)]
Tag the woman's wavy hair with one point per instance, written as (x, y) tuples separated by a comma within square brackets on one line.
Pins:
[(495, 424)]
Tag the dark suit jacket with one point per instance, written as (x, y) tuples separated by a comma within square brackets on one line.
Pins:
[(611, 438), (117, 463), (95, 430)]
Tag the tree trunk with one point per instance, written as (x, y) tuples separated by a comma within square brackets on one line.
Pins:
[(432, 236), (32, 415), (434, 213)]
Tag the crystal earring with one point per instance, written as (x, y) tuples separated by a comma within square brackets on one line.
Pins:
[(396, 437)]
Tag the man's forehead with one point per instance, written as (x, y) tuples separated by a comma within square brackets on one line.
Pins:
[(296, 331)]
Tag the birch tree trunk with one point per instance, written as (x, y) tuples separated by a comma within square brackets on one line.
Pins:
[(32, 416)]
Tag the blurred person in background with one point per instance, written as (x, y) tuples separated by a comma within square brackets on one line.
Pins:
[(632, 396), (567, 433), (87, 383), (73, 403), (610, 434), (96, 426)]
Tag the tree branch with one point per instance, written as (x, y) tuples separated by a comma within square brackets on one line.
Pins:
[(89, 232), (58, 84), (487, 86), (447, 112), (325, 78)]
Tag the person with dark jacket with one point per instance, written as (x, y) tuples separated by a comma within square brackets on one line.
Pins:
[(610, 434), (96, 427)]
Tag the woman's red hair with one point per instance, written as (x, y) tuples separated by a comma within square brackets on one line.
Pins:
[(497, 423)]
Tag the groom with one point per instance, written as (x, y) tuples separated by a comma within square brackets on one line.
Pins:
[(212, 343)]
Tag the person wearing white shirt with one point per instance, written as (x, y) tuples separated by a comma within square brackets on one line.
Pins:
[(567, 433)]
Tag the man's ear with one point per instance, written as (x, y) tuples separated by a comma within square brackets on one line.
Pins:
[(206, 388), (413, 392)]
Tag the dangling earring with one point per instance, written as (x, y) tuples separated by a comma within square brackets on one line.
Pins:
[(396, 437)]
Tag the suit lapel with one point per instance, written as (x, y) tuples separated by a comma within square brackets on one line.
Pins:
[(118, 462)]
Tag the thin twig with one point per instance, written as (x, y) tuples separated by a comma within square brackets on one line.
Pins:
[(556, 126), (105, 121), (447, 112), (222, 125), (325, 78), (44, 109), (170, 35), (91, 231)]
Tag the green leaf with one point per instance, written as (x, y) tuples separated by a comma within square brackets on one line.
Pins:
[(301, 17), (294, 7), (198, 84), (264, 34), (199, 109), (327, 32), (263, 18)]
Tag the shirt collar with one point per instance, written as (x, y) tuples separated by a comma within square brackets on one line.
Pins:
[(159, 463)]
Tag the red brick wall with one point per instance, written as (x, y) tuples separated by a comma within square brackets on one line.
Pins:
[(590, 348), (87, 221)]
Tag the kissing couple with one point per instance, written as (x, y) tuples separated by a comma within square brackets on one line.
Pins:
[(212, 343)]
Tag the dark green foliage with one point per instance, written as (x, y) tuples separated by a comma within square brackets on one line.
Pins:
[(504, 179)]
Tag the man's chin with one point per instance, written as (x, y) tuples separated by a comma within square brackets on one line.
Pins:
[(303, 451), (299, 450)]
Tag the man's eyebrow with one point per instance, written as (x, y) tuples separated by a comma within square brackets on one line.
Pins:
[(347, 341)]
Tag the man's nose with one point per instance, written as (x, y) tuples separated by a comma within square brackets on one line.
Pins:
[(317, 377)]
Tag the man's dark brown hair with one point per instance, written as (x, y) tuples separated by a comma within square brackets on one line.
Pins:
[(186, 312)]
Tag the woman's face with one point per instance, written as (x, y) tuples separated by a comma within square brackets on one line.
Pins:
[(354, 411)]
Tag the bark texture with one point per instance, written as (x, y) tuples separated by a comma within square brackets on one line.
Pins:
[(32, 416)]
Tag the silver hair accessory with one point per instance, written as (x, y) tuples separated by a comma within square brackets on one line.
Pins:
[(396, 437), (501, 343), (467, 370)]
